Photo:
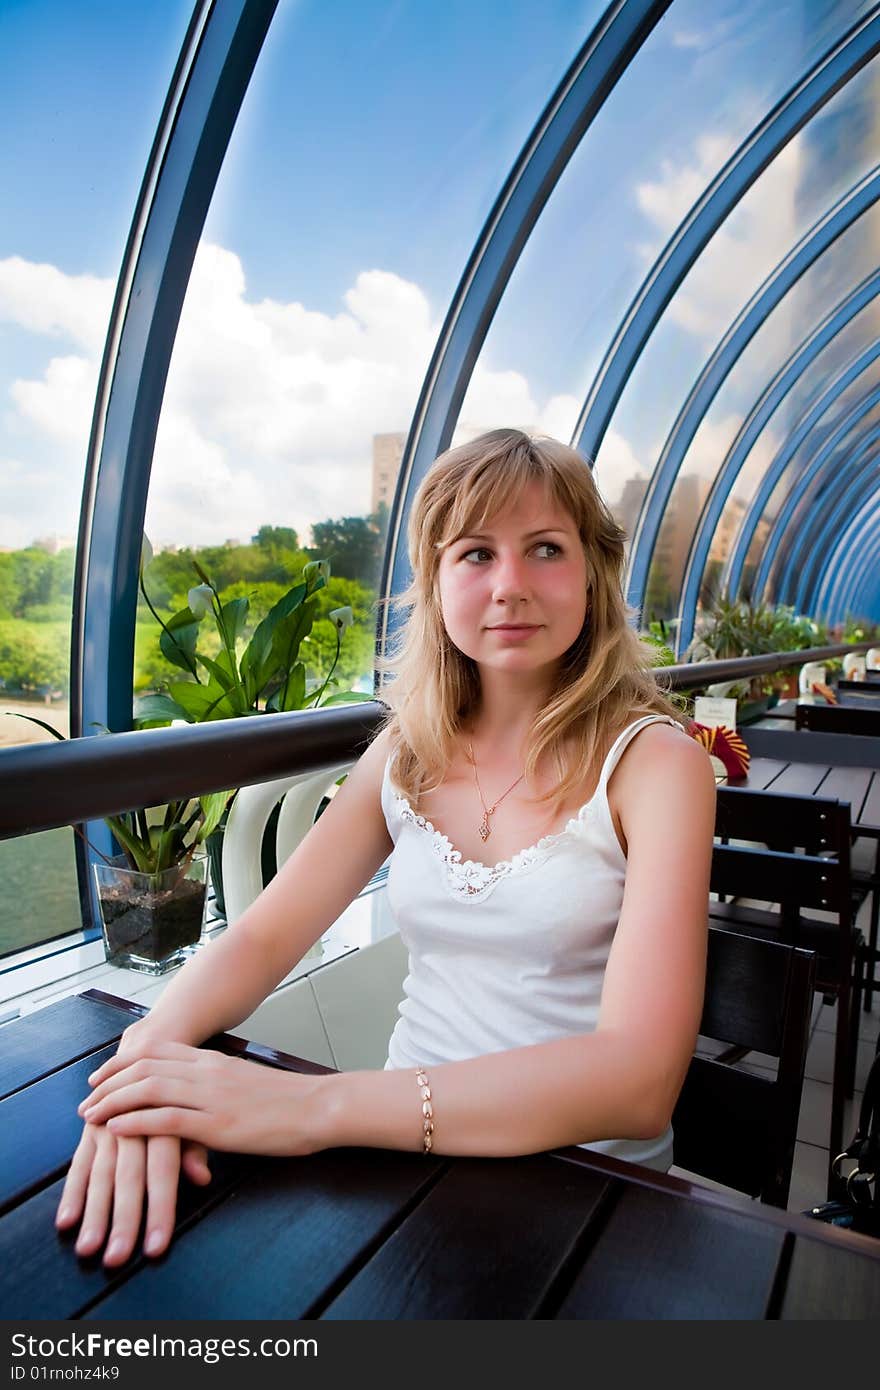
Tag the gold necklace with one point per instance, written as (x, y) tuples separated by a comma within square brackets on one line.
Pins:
[(485, 828)]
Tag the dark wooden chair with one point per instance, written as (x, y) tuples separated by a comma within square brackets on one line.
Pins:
[(805, 867), (735, 1126), (837, 719)]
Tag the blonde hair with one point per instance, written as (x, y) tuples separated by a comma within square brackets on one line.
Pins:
[(605, 678)]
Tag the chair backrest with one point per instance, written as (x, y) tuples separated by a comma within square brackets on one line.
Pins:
[(872, 658), (816, 877), (302, 794), (734, 1126), (811, 671), (854, 666), (837, 719)]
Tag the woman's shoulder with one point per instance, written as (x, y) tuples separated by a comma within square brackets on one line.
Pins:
[(661, 753)]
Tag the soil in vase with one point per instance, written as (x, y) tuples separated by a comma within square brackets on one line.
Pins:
[(149, 924)]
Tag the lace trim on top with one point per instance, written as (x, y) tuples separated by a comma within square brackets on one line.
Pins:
[(470, 879)]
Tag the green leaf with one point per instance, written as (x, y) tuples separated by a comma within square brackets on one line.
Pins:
[(219, 669), (140, 853), (294, 695), (153, 709), (213, 805), (178, 643), (201, 701), (346, 697), (235, 617), (31, 720), (254, 662)]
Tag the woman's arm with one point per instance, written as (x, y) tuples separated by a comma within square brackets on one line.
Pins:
[(619, 1082)]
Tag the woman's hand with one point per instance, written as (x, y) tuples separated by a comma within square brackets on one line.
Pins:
[(110, 1172), (222, 1102)]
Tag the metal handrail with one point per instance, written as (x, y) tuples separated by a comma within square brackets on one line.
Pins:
[(43, 786)]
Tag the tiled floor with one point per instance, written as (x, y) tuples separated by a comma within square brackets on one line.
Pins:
[(809, 1174)]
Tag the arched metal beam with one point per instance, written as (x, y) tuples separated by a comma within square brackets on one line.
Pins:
[(805, 478), (819, 521), (862, 488), (767, 404), (858, 559), (840, 63), (838, 579), (218, 56), (803, 565), (813, 244), (616, 39)]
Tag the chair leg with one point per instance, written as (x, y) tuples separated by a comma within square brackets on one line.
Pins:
[(858, 986), (841, 1074), (872, 935)]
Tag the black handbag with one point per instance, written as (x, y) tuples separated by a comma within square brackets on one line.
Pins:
[(856, 1172)]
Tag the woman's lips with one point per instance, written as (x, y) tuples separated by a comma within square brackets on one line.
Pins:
[(519, 630)]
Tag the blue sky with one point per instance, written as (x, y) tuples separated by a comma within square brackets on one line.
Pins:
[(370, 147)]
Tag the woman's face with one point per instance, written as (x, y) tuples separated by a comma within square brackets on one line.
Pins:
[(514, 596)]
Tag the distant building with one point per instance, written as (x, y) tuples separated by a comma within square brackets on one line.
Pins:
[(387, 454), (52, 544)]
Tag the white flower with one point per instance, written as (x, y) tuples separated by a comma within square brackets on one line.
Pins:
[(199, 600), (342, 617)]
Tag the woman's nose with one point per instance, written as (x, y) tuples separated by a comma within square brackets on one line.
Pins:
[(510, 580)]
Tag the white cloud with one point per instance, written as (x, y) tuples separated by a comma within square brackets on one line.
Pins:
[(44, 300), (270, 406), (757, 235)]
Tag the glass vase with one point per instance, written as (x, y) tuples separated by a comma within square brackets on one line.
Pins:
[(151, 922)]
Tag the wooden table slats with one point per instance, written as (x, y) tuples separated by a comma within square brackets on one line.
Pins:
[(653, 1260), (368, 1233), (50, 1038), (513, 1244)]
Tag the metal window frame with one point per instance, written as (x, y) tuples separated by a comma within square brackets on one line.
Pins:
[(860, 493), (844, 579), (808, 476), (821, 236), (810, 93), (803, 565), (217, 59), (590, 79)]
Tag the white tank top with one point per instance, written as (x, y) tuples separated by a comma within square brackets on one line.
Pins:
[(512, 954)]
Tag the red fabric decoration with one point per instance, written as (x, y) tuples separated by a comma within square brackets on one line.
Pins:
[(828, 695), (724, 744)]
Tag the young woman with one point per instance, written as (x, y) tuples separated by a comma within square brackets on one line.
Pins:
[(550, 830)]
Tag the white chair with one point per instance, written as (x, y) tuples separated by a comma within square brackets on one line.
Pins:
[(341, 1014), (872, 658), (854, 667), (810, 672)]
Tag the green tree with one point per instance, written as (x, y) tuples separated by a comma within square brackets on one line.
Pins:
[(354, 545)]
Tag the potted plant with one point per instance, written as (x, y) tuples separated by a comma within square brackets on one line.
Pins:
[(737, 628), (152, 895), (262, 674)]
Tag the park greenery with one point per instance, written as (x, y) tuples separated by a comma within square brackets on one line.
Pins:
[(36, 594)]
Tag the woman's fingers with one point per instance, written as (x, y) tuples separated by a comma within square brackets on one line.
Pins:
[(128, 1199), (100, 1194), (163, 1173), (194, 1161), (182, 1123), (157, 1088), (123, 1059), (73, 1195)]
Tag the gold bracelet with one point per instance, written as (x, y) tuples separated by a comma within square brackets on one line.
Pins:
[(427, 1110)]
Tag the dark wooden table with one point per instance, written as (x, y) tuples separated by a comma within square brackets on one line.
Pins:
[(373, 1234), (860, 786)]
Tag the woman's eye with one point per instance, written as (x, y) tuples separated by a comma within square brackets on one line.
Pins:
[(549, 545), (469, 554)]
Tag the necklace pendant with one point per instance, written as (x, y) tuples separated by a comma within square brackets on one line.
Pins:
[(485, 829)]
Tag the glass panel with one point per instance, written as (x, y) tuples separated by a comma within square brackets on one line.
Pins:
[(696, 89), (802, 183), (82, 90), (366, 158)]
